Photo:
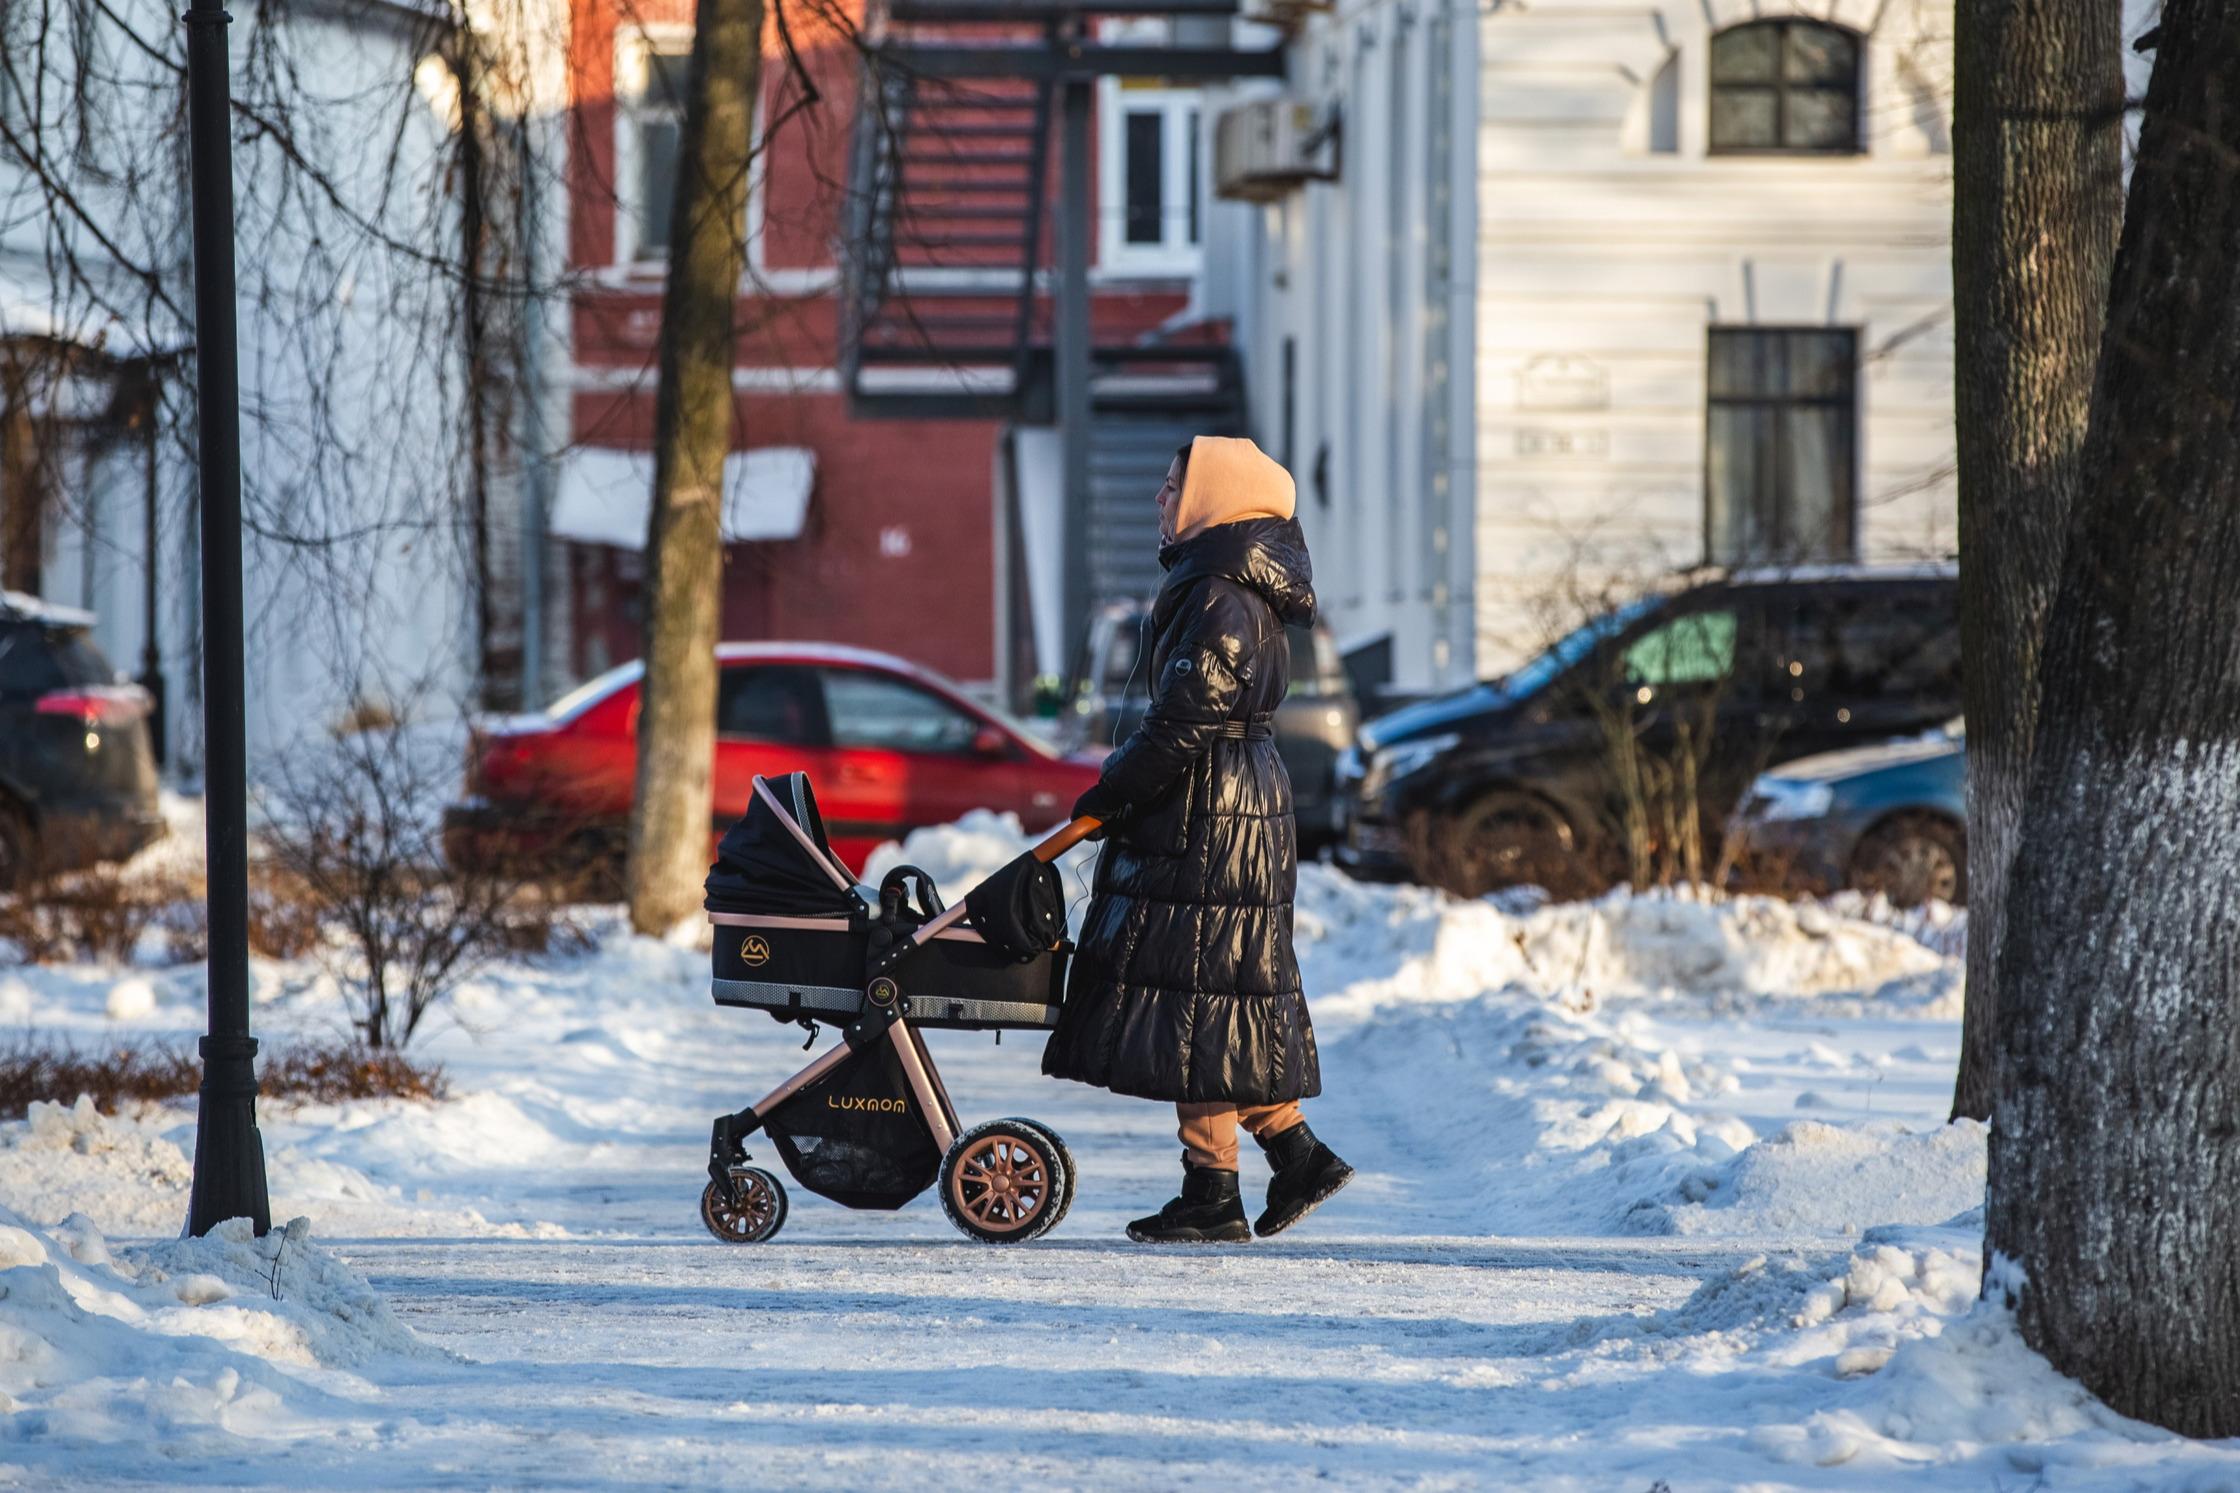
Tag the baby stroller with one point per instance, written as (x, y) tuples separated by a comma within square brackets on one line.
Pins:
[(868, 1124)]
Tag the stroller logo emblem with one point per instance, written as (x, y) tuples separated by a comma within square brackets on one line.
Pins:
[(755, 951)]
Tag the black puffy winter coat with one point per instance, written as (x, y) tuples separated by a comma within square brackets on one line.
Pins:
[(1185, 986)]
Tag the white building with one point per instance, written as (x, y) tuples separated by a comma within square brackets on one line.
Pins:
[(1597, 293), (360, 565)]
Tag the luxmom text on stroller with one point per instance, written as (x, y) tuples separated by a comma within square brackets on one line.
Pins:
[(868, 1124)]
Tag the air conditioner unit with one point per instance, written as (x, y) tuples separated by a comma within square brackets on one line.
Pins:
[(1268, 147)]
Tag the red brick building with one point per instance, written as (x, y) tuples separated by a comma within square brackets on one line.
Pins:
[(897, 544)]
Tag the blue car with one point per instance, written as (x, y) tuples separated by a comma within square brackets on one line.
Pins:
[(1890, 818)]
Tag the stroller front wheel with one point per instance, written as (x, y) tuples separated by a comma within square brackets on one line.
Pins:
[(753, 1213), (1003, 1182)]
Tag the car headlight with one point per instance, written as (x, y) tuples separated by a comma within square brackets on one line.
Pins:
[(1786, 798), (1405, 758)]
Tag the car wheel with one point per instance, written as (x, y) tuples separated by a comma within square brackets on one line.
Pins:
[(1504, 839), (1911, 859)]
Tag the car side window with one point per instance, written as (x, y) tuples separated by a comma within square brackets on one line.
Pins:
[(770, 703), (1695, 648), (1120, 660), (1894, 646), (887, 714), (1315, 671)]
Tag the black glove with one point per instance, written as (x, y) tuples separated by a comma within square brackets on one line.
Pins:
[(1102, 804)]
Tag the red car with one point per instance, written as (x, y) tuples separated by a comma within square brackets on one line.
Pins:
[(890, 747)]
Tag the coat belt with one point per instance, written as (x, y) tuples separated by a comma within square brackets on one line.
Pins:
[(1254, 728)]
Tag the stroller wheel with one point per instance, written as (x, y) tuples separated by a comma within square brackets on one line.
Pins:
[(1001, 1182), (1065, 1162), (759, 1212)]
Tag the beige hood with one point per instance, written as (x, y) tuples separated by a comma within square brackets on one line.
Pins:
[(1229, 479)]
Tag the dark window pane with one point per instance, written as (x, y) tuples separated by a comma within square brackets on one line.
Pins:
[(1820, 119), (1820, 54), (1785, 85), (1819, 364), (657, 184), (1144, 171), (27, 665), (1744, 364), (1813, 482), (1747, 54), (768, 704), (874, 711), (1744, 119), (1193, 143), (1738, 470), (666, 75)]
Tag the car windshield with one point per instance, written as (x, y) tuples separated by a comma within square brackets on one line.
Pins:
[(1544, 669), (592, 690)]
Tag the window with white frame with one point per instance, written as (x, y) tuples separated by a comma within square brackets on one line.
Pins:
[(1149, 181)]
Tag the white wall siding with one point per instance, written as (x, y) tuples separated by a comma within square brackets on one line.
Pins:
[(1610, 240)]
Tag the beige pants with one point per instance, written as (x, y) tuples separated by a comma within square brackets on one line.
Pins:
[(1209, 1131)]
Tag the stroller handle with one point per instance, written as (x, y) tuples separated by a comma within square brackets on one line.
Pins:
[(1065, 837), (1060, 841)]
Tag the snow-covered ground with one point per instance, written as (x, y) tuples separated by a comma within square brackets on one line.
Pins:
[(1654, 1193)]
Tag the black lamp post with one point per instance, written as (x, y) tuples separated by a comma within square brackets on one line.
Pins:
[(228, 1152)]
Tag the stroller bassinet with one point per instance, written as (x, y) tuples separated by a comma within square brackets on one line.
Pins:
[(794, 934), (868, 1124)]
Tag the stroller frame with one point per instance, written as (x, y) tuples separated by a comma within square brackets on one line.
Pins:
[(1001, 1182)]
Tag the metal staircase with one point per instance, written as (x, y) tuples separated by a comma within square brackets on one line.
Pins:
[(951, 295), (966, 289)]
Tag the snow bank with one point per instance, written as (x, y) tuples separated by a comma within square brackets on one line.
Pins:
[(1509, 1048), (184, 1345), (1364, 946), (129, 1174), (1816, 1178)]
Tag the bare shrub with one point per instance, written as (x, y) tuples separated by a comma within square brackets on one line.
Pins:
[(97, 914), (32, 1069), (355, 822)]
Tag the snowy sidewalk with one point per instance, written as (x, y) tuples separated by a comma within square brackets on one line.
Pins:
[(1651, 1194)]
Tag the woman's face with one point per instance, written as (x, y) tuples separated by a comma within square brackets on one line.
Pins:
[(1170, 497)]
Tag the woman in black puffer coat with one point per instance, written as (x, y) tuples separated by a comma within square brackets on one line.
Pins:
[(1185, 987)]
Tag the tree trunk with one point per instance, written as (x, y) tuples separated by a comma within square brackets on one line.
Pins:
[(2114, 1193), (671, 815), (2037, 201)]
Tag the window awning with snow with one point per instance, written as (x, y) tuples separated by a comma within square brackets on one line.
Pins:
[(604, 496)]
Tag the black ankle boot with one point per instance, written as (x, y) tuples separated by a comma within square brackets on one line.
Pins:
[(1210, 1211), (1307, 1174)]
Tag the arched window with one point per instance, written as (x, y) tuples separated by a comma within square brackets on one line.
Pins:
[(1788, 85)]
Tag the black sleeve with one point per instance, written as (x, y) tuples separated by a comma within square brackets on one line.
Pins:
[(1211, 637)]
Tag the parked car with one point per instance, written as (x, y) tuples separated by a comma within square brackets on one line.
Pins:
[(77, 766), (890, 746), (1499, 783), (1890, 818), (1107, 695)]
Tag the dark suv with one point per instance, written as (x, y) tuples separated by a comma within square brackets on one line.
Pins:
[(1682, 696), (77, 768)]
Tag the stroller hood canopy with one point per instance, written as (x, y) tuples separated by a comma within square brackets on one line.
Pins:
[(776, 859)]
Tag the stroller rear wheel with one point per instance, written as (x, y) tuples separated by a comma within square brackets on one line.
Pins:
[(1002, 1182), (755, 1212)]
